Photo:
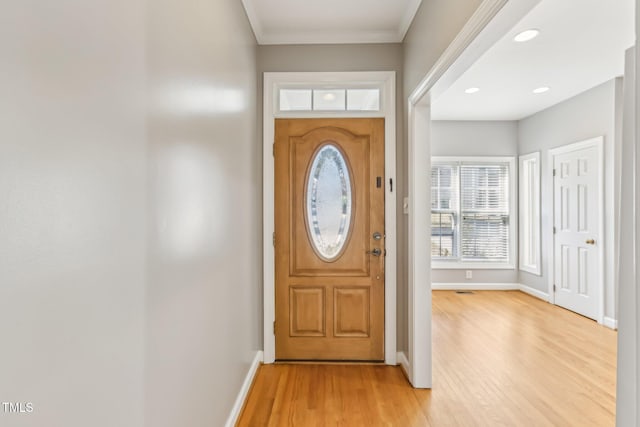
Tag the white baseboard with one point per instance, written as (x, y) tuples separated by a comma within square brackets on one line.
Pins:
[(491, 287), (403, 362), (244, 390), (475, 286), (534, 292), (610, 323)]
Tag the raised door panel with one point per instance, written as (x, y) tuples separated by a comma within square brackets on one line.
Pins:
[(351, 312), (306, 311)]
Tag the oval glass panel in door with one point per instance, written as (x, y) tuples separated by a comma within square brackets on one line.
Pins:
[(328, 202)]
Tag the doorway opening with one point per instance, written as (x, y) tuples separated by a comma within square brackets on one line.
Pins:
[(332, 95)]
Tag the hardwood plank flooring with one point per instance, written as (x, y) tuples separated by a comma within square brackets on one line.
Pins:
[(500, 358)]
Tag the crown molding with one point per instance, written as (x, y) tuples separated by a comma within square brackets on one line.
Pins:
[(266, 37)]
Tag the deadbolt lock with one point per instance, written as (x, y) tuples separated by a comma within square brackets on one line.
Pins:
[(375, 252), (377, 236)]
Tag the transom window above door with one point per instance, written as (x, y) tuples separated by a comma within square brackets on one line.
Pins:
[(335, 99), (472, 212)]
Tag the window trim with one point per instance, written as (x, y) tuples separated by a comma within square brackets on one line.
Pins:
[(530, 217), (457, 264)]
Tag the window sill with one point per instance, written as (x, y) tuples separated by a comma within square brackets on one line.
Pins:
[(444, 265)]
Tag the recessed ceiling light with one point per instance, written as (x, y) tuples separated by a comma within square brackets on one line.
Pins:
[(472, 90), (542, 89), (527, 35)]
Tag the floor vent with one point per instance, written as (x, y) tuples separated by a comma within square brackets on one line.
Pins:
[(464, 292)]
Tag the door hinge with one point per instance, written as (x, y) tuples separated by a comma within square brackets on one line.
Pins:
[(554, 172), (273, 149), (273, 239), (274, 327), (554, 230), (554, 287)]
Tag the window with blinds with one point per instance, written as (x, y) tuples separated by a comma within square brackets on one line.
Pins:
[(444, 211), (529, 198), (470, 210)]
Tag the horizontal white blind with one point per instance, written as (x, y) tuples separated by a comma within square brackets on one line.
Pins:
[(443, 235), (444, 209), (444, 187), (484, 210)]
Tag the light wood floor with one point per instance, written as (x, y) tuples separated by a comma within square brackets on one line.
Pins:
[(499, 359)]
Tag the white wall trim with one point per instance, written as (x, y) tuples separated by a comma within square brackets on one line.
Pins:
[(610, 323), (597, 142), (403, 362), (409, 14), (530, 217), (487, 10), (475, 286), (254, 20), (491, 287), (244, 390), (419, 176), (328, 37), (534, 292), (387, 82)]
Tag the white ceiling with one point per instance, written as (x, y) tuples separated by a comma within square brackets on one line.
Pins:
[(330, 21), (581, 45)]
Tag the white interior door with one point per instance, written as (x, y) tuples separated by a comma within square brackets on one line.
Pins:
[(577, 218)]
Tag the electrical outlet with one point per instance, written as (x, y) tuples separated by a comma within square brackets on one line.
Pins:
[(469, 274)]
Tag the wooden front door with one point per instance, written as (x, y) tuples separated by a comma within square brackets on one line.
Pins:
[(329, 239)]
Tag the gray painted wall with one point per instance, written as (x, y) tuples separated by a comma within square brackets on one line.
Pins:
[(205, 211), (434, 27), (362, 57), (585, 116), (475, 138), (72, 212), (129, 286)]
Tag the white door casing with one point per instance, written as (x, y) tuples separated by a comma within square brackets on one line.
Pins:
[(578, 214), (386, 82), (465, 49)]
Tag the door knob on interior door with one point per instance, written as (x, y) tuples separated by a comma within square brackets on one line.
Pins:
[(590, 242), (375, 252)]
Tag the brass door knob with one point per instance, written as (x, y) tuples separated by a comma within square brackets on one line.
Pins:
[(590, 242)]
